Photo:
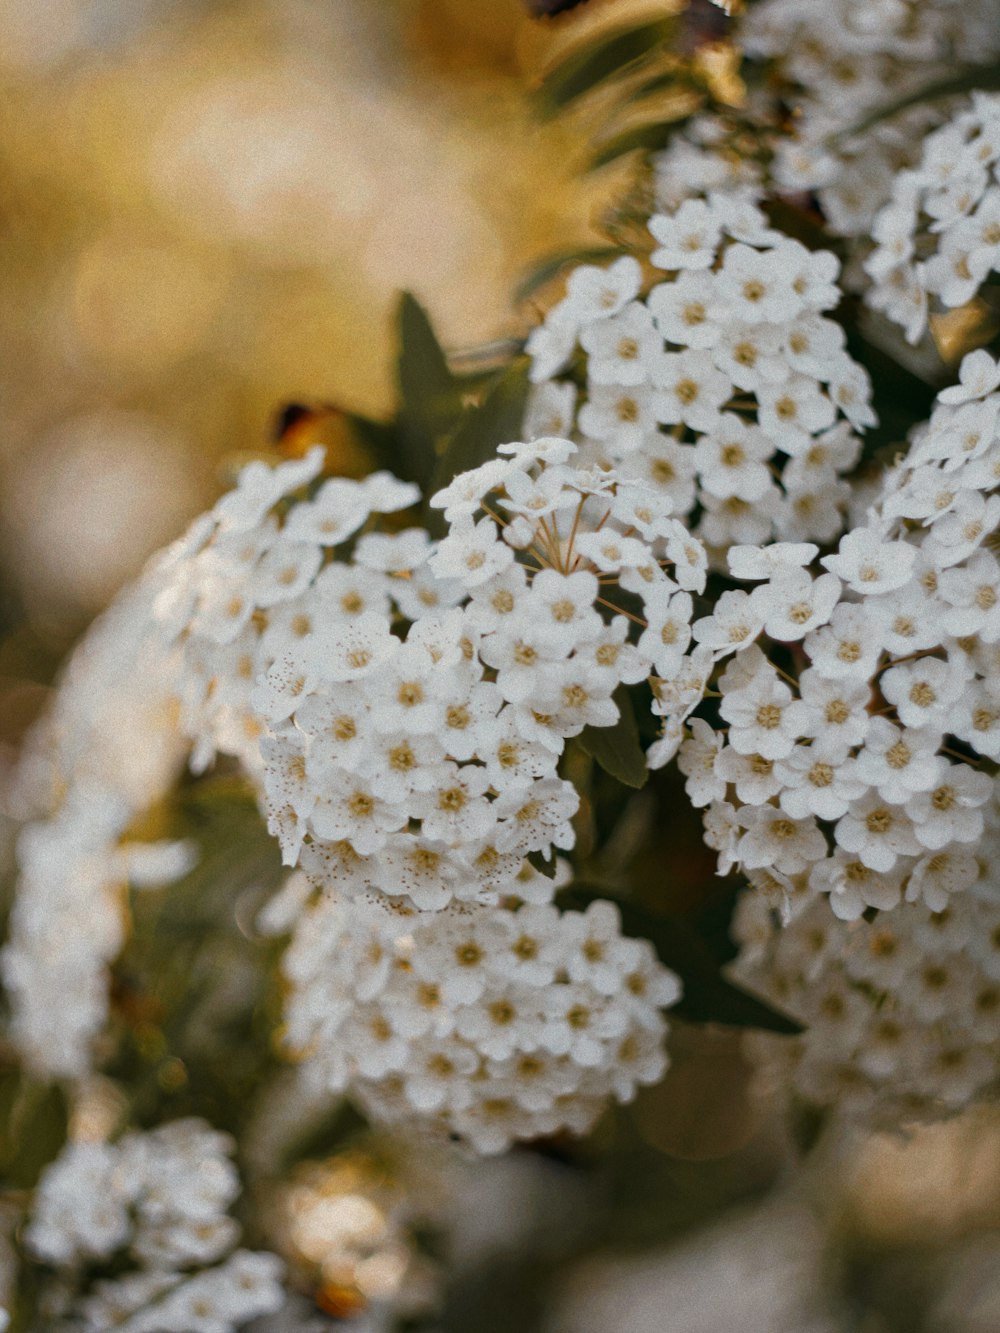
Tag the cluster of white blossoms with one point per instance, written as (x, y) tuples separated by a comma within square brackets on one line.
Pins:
[(254, 575), (158, 1204), (843, 769), (488, 1023), (843, 62), (82, 781), (901, 1013), (426, 766), (723, 389), (938, 237), (411, 760)]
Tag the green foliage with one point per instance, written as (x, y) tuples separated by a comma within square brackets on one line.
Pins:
[(496, 420), (428, 392), (33, 1122), (617, 749), (650, 137), (595, 63), (708, 997), (196, 991)]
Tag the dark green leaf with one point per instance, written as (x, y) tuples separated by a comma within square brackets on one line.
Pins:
[(544, 866), (650, 138), (708, 997), (588, 67), (429, 395), (898, 396), (617, 749), (380, 438), (497, 420), (34, 1125), (974, 78), (667, 81), (547, 270), (805, 227)]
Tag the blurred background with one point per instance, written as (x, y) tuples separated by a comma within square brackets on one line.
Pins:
[(208, 210)]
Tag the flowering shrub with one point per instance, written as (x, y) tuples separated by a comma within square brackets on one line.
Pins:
[(374, 796)]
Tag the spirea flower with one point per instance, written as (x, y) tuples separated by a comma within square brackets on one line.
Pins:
[(416, 752), (938, 236), (901, 1013), (486, 1023), (858, 770), (724, 386), (158, 1204)]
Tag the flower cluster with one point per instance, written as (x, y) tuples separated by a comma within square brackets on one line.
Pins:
[(840, 66), (847, 772), (251, 577), (82, 782), (938, 236), (723, 387), (156, 1203), (426, 766), (488, 1023), (901, 1014)]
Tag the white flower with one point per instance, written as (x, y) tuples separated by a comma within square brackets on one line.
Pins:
[(472, 552), (978, 376), (758, 285), (622, 350), (734, 624), (868, 564), (688, 239), (259, 488), (792, 604), (732, 458), (763, 717), (690, 389), (775, 839), (952, 811), (877, 831), (818, 781), (924, 692), (899, 762)]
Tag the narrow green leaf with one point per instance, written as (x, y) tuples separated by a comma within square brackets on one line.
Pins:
[(547, 270), (586, 68), (650, 138), (679, 79), (617, 749), (430, 397), (898, 396), (35, 1121), (707, 996), (973, 78), (497, 420)]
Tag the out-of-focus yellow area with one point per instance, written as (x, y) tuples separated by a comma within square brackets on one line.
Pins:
[(209, 208)]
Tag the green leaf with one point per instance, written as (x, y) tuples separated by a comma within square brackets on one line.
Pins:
[(593, 64), (898, 396), (380, 438), (34, 1120), (707, 997), (548, 269), (617, 749), (546, 867), (973, 78), (650, 138), (430, 397), (497, 420), (667, 81)]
